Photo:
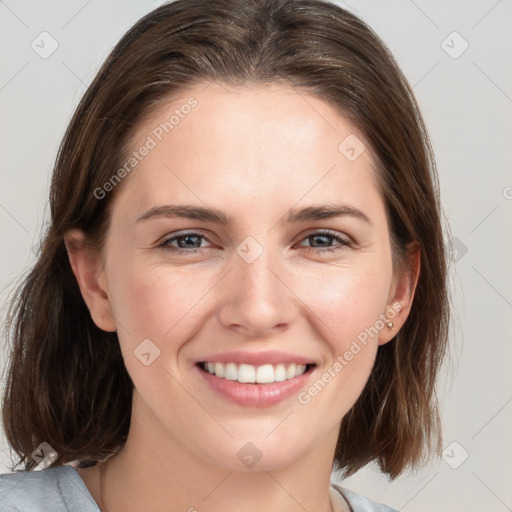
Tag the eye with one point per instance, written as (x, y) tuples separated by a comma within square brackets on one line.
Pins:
[(187, 242), (322, 238), (191, 242)]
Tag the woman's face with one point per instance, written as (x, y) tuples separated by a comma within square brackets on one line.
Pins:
[(220, 250)]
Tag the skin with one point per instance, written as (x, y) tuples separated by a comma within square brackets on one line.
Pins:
[(255, 153)]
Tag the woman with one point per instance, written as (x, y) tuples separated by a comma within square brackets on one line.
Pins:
[(243, 287)]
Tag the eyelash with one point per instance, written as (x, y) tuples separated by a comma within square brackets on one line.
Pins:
[(343, 243)]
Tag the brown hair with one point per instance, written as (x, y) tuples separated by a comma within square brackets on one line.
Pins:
[(67, 383)]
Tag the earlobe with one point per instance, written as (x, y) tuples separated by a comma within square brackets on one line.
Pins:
[(398, 308), (85, 264)]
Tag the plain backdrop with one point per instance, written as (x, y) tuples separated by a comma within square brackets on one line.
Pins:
[(457, 56)]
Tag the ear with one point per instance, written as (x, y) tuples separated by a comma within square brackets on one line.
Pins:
[(87, 268), (401, 296)]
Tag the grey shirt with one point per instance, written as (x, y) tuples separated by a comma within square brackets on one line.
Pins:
[(62, 489)]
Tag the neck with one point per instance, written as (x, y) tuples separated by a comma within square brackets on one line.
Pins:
[(146, 475)]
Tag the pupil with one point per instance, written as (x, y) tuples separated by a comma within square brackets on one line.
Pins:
[(188, 237), (316, 237)]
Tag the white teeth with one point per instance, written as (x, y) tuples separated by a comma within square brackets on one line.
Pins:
[(290, 371), (219, 369), (265, 374), (231, 372), (247, 373), (280, 372), (301, 368)]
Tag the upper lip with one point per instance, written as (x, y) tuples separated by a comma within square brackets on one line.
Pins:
[(256, 358)]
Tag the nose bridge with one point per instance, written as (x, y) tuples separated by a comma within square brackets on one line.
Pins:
[(256, 296), (254, 264)]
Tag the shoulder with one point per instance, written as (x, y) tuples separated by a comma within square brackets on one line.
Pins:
[(360, 503), (55, 489)]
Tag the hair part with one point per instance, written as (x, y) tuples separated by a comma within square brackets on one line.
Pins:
[(80, 395)]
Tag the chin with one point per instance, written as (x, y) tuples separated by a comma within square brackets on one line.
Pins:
[(257, 453)]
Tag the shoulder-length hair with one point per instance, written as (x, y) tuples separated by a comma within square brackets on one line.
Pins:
[(66, 381)]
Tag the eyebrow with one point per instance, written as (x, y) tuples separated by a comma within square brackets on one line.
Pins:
[(216, 216)]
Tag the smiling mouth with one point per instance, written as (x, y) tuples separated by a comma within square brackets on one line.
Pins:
[(249, 374)]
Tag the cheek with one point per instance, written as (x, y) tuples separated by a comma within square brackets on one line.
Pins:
[(155, 302), (346, 300), (348, 304), (150, 303)]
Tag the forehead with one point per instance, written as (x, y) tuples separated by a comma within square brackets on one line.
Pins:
[(266, 143)]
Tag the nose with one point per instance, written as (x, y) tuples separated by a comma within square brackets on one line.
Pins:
[(257, 301)]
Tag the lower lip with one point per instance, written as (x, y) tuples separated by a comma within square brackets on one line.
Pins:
[(254, 395)]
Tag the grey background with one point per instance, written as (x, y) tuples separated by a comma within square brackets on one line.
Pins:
[(466, 99)]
